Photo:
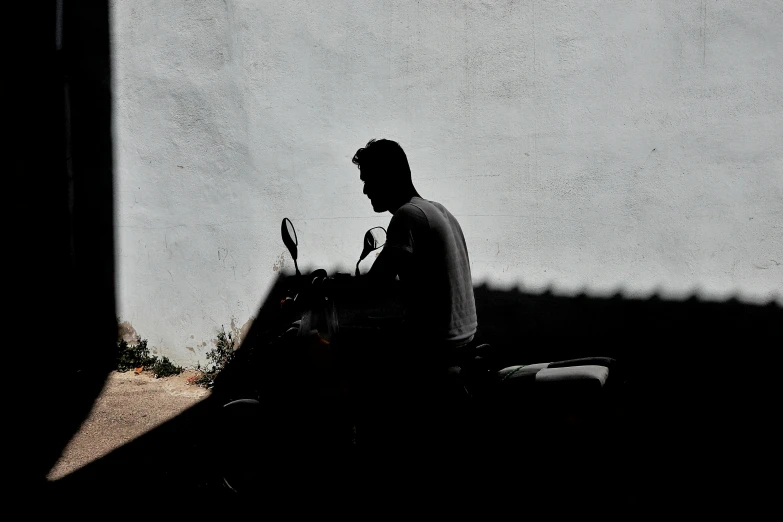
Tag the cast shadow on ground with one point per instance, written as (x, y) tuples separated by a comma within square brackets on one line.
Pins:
[(676, 355)]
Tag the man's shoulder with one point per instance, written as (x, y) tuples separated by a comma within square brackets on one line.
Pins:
[(409, 219), (411, 209), (436, 212), (425, 206), (429, 204)]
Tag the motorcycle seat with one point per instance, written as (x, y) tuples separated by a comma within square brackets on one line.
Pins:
[(587, 369), (577, 382)]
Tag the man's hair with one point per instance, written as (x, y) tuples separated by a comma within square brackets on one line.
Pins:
[(384, 158)]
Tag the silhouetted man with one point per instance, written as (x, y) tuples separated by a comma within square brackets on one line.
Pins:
[(426, 249)]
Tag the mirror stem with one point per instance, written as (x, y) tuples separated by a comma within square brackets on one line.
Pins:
[(296, 266)]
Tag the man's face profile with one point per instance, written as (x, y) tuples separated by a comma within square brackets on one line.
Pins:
[(373, 189)]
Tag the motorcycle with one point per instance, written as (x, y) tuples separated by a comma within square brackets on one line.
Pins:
[(559, 418)]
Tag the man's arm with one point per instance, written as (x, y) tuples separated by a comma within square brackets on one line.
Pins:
[(395, 258), (391, 262)]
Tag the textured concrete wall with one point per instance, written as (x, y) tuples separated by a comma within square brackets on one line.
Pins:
[(584, 145)]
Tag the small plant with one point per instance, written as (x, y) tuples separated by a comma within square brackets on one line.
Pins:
[(163, 367), (132, 356), (223, 353)]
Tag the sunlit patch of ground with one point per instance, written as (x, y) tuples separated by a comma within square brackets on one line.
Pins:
[(129, 406)]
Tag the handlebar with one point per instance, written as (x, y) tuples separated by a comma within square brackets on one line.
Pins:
[(320, 284), (357, 305)]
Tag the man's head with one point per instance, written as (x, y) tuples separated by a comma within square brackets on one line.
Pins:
[(383, 167)]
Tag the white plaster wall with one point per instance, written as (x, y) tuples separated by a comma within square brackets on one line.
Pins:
[(591, 145)]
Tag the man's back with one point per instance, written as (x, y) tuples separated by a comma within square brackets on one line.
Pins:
[(437, 286)]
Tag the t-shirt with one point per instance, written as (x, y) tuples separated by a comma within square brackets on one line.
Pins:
[(438, 290)]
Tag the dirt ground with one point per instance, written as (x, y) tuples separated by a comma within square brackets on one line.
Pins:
[(129, 406)]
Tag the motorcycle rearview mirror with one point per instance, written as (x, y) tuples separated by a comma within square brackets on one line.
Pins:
[(290, 240), (374, 239)]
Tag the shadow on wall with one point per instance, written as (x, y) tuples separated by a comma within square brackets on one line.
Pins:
[(549, 326)]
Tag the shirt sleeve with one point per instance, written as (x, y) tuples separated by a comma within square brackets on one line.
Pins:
[(404, 227)]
